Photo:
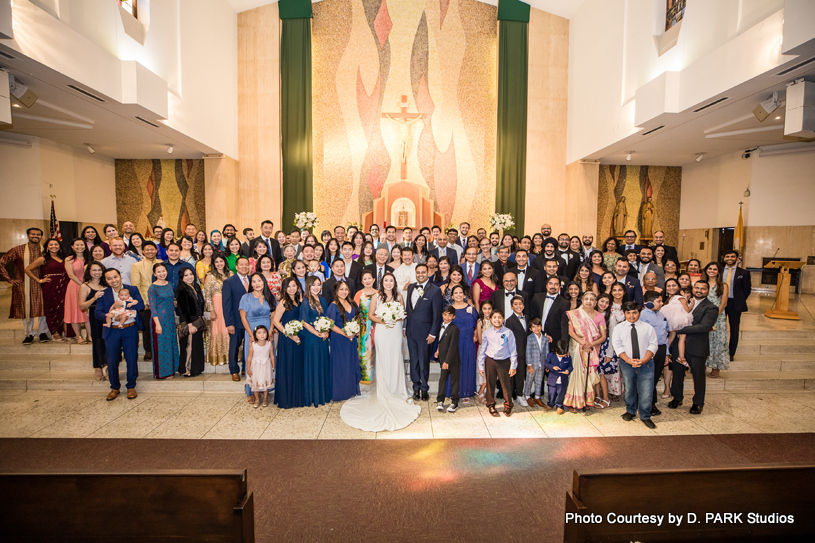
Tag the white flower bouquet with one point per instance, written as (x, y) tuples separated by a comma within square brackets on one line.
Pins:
[(293, 328), (306, 220), (351, 328), (501, 221), (390, 313), (323, 324)]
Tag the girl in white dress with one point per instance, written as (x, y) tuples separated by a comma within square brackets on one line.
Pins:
[(678, 313), (260, 366)]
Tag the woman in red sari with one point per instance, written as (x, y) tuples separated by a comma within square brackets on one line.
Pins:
[(587, 329), (54, 282)]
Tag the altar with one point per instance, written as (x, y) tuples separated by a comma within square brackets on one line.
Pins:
[(402, 204)]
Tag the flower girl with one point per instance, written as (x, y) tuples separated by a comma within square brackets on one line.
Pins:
[(260, 367), (677, 311)]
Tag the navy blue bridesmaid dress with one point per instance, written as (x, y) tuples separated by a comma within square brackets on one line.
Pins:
[(345, 370), (316, 364)]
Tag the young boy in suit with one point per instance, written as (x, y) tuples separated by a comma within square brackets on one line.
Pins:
[(537, 347), (449, 359), (559, 364), (517, 323)]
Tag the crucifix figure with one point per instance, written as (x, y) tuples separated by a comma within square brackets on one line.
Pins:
[(404, 120)]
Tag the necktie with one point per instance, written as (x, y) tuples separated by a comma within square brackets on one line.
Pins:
[(245, 283), (635, 343), (729, 278), (469, 273), (379, 278)]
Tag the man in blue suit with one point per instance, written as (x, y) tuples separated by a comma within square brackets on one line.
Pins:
[(424, 307), (470, 266), (233, 290), (632, 284), (119, 339)]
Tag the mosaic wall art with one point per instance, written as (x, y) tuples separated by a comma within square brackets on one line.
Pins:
[(640, 198), (442, 56), (148, 191)]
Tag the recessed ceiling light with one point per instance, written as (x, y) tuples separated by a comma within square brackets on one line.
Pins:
[(778, 117), (15, 105)]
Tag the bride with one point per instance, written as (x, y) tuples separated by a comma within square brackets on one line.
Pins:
[(385, 405)]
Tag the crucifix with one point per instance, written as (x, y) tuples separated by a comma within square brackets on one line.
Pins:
[(404, 120)]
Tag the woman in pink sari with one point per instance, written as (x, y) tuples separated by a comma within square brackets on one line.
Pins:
[(587, 329)]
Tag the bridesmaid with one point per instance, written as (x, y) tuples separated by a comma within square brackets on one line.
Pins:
[(91, 290), (366, 349), (54, 284), (217, 334), (161, 300), (344, 354), (315, 356), (466, 319), (75, 268), (289, 378)]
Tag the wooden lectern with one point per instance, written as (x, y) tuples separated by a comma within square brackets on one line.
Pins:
[(780, 309)]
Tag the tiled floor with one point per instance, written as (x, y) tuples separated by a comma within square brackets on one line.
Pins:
[(222, 416)]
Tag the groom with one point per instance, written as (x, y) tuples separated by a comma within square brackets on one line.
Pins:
[(424, 306)]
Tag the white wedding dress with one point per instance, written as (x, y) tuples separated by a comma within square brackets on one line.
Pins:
[(386, 404)]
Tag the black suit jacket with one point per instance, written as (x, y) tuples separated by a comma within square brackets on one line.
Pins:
[(448, 251), (542, 279), (448, 346), (553, 327), (697, 342), (372, 269), (621, 248), (572, 263), (742, 287), (520, 333), (500, 269), (355, 272), (246, 250), (531, 276), (540, 264), (328, 288), (498, 297), (276, 253)]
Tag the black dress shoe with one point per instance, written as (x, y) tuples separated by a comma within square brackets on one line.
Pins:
[(655, 411), (696, 409), (673, 404), (650, 424), (44, 338), (425, 396), (28, 340), (627, 417), (417, 396)]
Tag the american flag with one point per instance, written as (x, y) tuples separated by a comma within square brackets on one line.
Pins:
[(55, 233)]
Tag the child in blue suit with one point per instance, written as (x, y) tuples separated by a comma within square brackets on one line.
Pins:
[(559, 364)]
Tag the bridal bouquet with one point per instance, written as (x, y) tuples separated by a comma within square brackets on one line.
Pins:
[(351, 328), (501, 221), (390, 313), (293, 328), (323, 324), (306, 220)]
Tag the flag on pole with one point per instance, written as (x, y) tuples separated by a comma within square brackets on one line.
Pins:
[(55, 233), (738, 235)]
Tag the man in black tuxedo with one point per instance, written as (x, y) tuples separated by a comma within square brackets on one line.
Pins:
[(739, 288), (629, 243), (571, 258), (549, 271), (528, 277), (248, 246), (424, 307), (337, 276), (444, 249), (380, 267), (272, 246), (502, 298), (353, 269), (549, 254), (518, 324), (670, 252), (697, 349), (550, 307), (632, 285)]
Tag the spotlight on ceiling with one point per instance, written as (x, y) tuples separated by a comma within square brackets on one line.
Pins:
[(90, 149), (699, 157), (169, 148), (763, 109), (628, 158), (26, 96)]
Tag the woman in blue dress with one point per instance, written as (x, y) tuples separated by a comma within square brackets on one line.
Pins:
[(344, 355), (256, 308), (316, 363), (289, 385), (466, 319), (161, 298)]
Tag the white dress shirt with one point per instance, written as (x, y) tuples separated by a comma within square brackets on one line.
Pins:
[(547, 305), (521, 275), (646, 338), (417, 294), (522, 319), (508, 302)]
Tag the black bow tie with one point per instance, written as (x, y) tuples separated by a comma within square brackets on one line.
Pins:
[(550, 297), (508, 294)]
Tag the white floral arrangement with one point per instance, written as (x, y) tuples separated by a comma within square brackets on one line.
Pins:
[(351, 328), (501, 221), (323, 324), (293, 328), (306, 220), (390, 313)]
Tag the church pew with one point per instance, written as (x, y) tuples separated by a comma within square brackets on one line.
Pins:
[(163, 505), (764, 490)]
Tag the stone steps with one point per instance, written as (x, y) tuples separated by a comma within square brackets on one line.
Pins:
[(72, 381), (783, 346)]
